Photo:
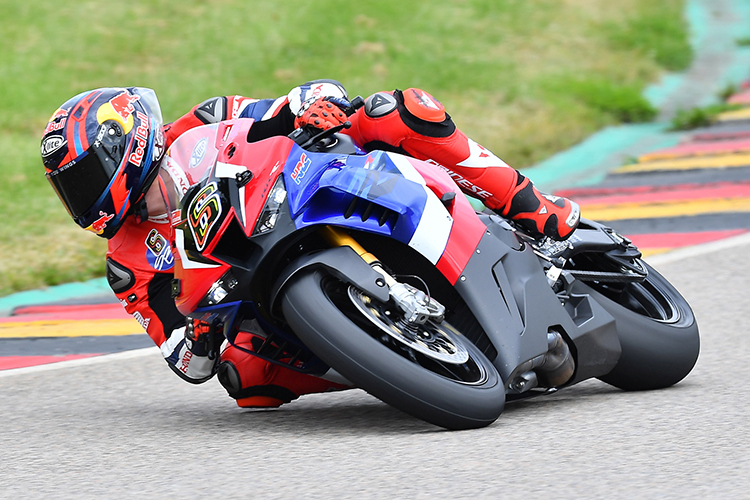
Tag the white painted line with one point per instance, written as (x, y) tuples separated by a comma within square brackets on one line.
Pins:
[(698, 250), (94, 360)]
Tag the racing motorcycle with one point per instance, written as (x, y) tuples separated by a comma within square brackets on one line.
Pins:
[(373, 269)]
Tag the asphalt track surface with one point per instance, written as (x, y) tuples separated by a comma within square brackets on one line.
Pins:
[(122, 425)]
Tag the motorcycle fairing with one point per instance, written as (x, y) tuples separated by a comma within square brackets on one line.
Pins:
[(499, 302), (322, 187)]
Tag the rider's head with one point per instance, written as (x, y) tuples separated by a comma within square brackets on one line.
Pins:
[(101, 150)]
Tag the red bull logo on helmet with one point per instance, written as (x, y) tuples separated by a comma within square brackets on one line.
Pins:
[(100, 224), (141, 139), (123, 104), (120, 108)]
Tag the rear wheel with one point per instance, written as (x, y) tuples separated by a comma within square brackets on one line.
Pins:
[(657, 331), (430, 371)]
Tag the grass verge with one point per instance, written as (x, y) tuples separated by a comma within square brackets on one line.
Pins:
[(526, 79)]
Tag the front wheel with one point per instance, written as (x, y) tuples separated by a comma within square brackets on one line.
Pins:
[(657, 331), (429, 371)]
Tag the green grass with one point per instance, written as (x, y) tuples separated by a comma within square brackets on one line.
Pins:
[(525, 78), (700, 117)]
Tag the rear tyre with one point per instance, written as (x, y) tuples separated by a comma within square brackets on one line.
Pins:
[(433, 373), (657, 331)]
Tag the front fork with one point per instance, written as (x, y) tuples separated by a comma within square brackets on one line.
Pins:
[(417, 306)]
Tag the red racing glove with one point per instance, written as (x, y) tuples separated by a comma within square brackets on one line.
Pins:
[(322, 113)]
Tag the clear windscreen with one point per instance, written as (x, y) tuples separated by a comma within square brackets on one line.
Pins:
[(187, 161)]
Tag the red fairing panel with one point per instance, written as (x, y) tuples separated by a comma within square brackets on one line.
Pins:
[(467, 229)]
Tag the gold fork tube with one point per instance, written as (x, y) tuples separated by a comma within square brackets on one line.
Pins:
[(339, 238)]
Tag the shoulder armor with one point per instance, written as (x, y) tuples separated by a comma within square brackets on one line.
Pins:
[(380, 104), (212, 110)]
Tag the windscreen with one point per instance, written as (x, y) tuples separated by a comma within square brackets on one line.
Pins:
[(187, 161)]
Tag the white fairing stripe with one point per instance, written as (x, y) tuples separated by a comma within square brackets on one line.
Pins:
[(229, 171), (431, 236), (179, 240)]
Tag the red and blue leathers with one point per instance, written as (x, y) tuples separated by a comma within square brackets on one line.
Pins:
[(139, 259)]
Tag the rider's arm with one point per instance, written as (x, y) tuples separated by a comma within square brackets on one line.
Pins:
[(272, 116), (146, 293)]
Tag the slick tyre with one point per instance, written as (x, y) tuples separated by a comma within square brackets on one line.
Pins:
[(320, 310), (657, 331)]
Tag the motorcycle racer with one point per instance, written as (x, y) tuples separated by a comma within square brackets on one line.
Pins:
[(102, 151)]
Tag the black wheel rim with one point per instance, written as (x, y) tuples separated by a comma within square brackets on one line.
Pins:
[(442, 337), (647, 298)]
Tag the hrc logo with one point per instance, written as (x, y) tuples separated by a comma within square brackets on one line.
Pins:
[(301, 168)]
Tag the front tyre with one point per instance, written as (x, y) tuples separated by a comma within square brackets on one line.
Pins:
[(657, 331), (434, 374)]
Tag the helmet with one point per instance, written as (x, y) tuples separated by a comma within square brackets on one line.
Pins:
[(101, 151)]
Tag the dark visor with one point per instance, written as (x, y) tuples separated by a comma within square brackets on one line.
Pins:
[(81, 184)]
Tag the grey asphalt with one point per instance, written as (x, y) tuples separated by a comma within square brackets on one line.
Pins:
[(130, 428)]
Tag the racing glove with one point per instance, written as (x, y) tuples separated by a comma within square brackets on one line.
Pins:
[(322, 113), (193, 351)]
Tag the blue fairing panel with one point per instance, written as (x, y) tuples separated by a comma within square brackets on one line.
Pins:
[(320, 188)]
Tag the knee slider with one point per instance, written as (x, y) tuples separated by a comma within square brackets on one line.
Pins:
[(230, 379)]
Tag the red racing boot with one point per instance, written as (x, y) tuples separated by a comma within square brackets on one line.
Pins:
[(257, 383), (541, 214)]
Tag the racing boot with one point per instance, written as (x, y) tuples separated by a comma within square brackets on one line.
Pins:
[(540, 214), (256, 383)]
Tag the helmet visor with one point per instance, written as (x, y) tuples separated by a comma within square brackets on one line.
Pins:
[(80, 184)]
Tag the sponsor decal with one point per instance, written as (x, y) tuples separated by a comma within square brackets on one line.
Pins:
[(575, 214), (465, 184), (199, 151), (140, 319), (60, 114), (425, 100), (53, 126), (123, 104), (100, 224), (100, 134), (52, 144), (317, 90), (141, 140), (203, 214), (186, 361), (300, 169), (158, 253), (178, 175), (239, 104), (158, 144)]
